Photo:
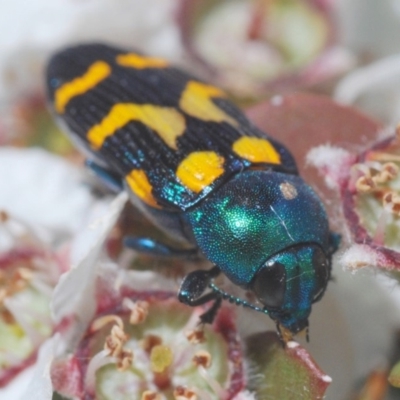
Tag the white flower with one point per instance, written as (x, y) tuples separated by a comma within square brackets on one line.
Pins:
[(44, 193)]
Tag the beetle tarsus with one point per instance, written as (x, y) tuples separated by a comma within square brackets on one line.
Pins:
[(209, 316)]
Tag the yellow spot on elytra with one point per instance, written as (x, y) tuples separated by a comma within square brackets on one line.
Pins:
[(199, 169), (137, 61), (96, 73), (161, 358), (139, 183), (256, 150), (167, 122), (196, 100)]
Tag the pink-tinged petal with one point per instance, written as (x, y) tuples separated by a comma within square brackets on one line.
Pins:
[(41, 387), (254, 48), (371, 204), (363, 255), (66, 376), (75, 292), (27, 276), (44, 192), (373, 89)]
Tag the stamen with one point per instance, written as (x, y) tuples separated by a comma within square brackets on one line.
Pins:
[(365, 184), (196, 336), (391, 202), (149, 342), (125, 360), (103, 321), (19, 313), (115, 341), (150, 395), (213, 383), (202, 358), (389, 171), (182, 393), (139, 310), (97, 361)]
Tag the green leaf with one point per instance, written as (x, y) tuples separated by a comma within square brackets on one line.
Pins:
[(284, 373), (394, 376)]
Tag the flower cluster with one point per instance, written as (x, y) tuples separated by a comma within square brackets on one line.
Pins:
[(83, 318)]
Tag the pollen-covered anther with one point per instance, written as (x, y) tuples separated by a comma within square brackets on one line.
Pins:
[(202, 358), (100, 322), (388, 172), (149, 342), (4, 217), (115, 341), (195, 336), (7, 317), (391, 202), (182, 393), (151, 395), (125, 360), (139, 312), (24, 274), (365, 184)]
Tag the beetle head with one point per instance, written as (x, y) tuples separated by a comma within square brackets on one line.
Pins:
[(290, 281)]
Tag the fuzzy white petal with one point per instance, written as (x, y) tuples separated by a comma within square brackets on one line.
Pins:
[(74, 294), (44, 191), (40, 387)]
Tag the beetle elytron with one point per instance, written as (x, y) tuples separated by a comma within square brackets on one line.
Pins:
[(196, 166)]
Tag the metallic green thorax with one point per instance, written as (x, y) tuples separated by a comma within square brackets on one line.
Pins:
[(249, 220)]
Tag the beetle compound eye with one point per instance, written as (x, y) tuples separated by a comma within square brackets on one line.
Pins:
[(321, 268), (269, 285)]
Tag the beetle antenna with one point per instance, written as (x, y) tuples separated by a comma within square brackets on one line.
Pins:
[(236, 300)]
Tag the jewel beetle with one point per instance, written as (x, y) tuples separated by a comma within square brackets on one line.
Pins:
[(202, 172)]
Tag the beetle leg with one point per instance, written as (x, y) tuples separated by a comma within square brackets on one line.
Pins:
[(192, 288), (209, 316), (195, 284), (152, 247), (108, 177)]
